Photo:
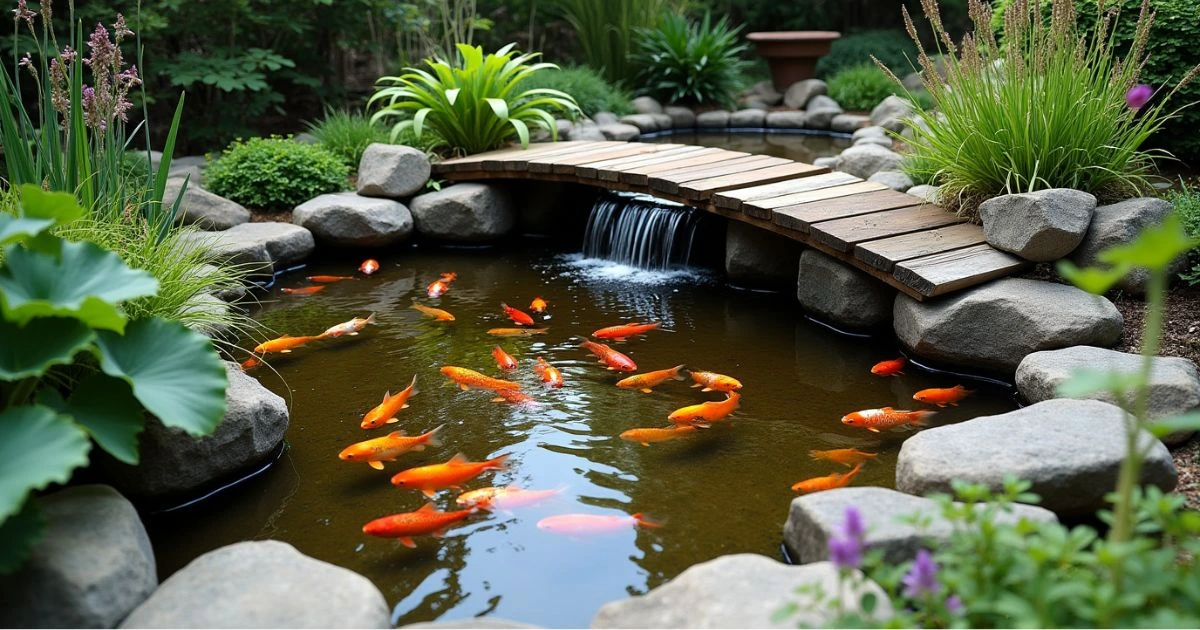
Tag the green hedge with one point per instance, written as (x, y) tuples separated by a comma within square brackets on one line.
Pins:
[(893, 48), (275, 173)]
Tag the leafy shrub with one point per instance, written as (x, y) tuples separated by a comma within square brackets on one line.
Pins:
[(861, 87), (475, 105), (347, 135), (691, 62), (589, 89), (1187, 205), (275, 173), (606, 32), (892, 48)]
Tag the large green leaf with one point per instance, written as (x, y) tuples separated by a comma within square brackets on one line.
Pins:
[(59, 207), (85, 282), (174, 372), (31, 350), (105, 406), (14, 229), (18, 534), (37, 447)]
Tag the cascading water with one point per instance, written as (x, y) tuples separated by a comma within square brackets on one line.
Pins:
[(640, 231)]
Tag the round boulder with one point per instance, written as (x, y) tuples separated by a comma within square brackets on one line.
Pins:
[(840, 294), (759, 259), (896, 180), (647, 105), (747, 118), (681, 117), (347, 219), (464, 213), (392, 170), (800, 93), (716, 119), (864, 160), (1118, 224), (1041, 226), (202, 208), (891, 112)]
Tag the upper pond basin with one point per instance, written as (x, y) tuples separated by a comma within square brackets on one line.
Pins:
[(723, 490)]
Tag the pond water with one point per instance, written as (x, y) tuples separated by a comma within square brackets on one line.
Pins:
[(800, 147), (720, 491)]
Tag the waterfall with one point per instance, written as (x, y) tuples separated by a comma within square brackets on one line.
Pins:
[(640, 231)]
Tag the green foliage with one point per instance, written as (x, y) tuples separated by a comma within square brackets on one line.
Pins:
[(275, 173), (347, 135), (891, 48), (61, 317), (691, 62), (475, 105), (861, 87), (1187, 206), (589, 89), (606, 32)]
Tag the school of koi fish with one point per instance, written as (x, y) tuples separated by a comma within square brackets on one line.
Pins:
[(458, 470)]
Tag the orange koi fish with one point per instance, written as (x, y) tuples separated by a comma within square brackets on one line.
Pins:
[(303, 290), (624, 331), (427, 520), (538, 305), (713, 382), (251, 363), (386, 412), (513, 396), (517, 332), (505, 498), (943, 396), (828, 482), (646, 383), (369, 266), (585, 524), (875, 419), (449, 276), (550, 374), (704, 414), (611, 358), (349, 328), (467, 379), (844, 456), (452, 474), (388, 448), (519, 318), (437, 288), (504, 360), (282, 344), (646, 436), (327, 279), (436, 313), (889, 368)]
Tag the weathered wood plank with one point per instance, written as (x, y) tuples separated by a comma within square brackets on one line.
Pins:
[(473, 161), (938, 274), (590, 171), (642, 174), (521, 162), (762, 208), (843, 234), (884, 253), (801, 216), (565, 164), (733, 199), (701, 189), (670, 183)]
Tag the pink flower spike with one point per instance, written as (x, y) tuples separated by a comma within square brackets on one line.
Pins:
[(1138, 96)]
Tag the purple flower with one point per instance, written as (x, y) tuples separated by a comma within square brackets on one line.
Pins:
[(954, 605), (852, 526), (845, 553), (921, 579), (22, 12), (1138, 96)]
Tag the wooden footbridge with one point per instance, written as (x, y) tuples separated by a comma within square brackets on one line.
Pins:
[(917, 247)]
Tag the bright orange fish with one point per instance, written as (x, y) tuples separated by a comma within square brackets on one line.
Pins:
[(303, 290), (369, 266), (452, 474), (437, 288), (611, 358), (436, 313), (427, 520), (624, 331), (513, 396), (386, 412), (538, 305), (648, 381), (504, 360), (828, 482), (584, 524), (251, 363), (875, 419), (449, 276), (329, 278), (550, 374), (282, 344), (845, 456), (520, 318), (943, 396), (646, 436), (889, 368), (467, 379), (517, 332), (711, 381), (505, 498), (349, 328), (704, 414), (387, 448)]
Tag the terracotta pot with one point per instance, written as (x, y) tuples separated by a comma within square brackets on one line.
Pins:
[(792, 55)]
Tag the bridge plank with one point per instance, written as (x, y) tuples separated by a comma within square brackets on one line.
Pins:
[(641, 175), (843, 234), (592, 169), (565, 164), (762, 208), (884, 253), (939, 274), (734, 199), (701, 189), (520, 163), (670, 183), (474, 162), (801, 216)]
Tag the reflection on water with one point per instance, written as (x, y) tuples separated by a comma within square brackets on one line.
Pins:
[(725, 491), (799, 147)]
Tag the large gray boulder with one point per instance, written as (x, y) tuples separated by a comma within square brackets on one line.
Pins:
[(285, 243), (206, 314), (891, 112), (1117, 224), (759, 259), (91, 567), (1070, 450), (392, 170), (465, 213), (995, 325), (620, 132), (840, 294), (800, 93), (681, 117), (821, 101), (173, 463), (1040, 226), (646, 123), (864, 160), (879, 141), (765, 92), (822, 117), (896, 180), (202, 208), (262, 584), (786, 120), (605, 118), (748, 118), (231, 295), (348, 219), (815, 518), (716, 119), (739, 591), (248, 254), (849, 123), (647, 105)]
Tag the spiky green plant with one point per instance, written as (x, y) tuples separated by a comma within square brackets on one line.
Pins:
[(691, 62), (606, 29)]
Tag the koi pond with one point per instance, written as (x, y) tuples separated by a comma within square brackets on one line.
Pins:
[(796, 146), (717, 491)]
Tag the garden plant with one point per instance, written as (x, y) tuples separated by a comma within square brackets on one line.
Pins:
[(275, 173), (691, 62)]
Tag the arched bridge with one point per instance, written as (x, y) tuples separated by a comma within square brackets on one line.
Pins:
[(917, 247)]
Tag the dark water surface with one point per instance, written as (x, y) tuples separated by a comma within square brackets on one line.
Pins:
[(799, 147), (725, 491)]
